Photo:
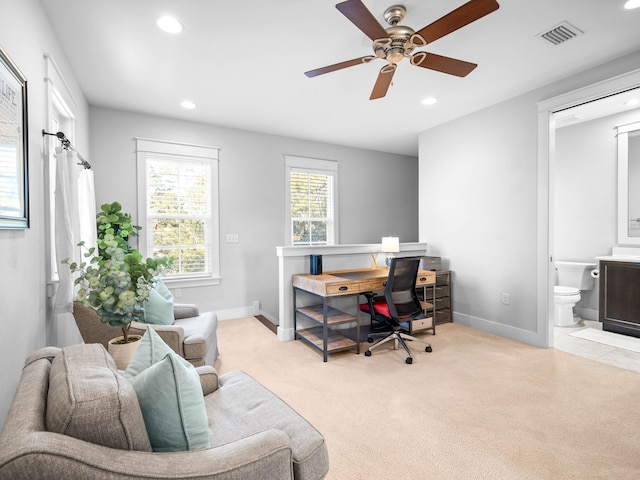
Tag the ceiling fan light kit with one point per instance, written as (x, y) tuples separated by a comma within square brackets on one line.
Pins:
[(399, 41)]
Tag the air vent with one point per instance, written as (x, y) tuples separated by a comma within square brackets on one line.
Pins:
[(560, 33)]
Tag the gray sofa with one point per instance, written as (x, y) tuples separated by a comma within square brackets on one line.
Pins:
[(75, 416)]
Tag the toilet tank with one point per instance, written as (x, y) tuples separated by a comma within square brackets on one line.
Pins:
[(575, 274)]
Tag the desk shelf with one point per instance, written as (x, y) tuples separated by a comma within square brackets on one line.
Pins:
[(325, 337), (335, 340), (334, 316)]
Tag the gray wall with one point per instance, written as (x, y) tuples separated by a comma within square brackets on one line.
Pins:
[(478, 208), (378, 195), (25, 35), (478, 204)]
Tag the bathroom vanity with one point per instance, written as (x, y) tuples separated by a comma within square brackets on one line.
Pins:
[(620, 272), (620, 294)]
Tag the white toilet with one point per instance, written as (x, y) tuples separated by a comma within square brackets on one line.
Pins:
[(571, 279)]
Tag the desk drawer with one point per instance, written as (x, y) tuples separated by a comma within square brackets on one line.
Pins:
[(426, 278), (372, 285), (333, 289), (443, 278), (443, 316), (444, 302), (421, 324), (441, 291)]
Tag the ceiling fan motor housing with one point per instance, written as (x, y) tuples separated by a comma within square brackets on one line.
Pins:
[(397, 46)]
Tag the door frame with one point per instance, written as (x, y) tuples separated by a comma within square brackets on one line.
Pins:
[(546, 168)]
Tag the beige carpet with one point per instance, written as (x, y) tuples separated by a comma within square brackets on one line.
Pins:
[(478, 407)]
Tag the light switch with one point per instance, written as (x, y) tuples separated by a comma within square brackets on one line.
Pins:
[(506, 299), (232, 238)]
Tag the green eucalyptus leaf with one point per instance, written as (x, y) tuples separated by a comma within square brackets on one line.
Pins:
[(117, 280)]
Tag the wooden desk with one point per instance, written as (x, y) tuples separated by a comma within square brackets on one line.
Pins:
[(348, 282), (340, 283)]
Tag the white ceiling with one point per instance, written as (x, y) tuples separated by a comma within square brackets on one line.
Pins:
[(242, 63)]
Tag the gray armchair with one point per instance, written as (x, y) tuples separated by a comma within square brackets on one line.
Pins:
[(66, 423), (193, 336)]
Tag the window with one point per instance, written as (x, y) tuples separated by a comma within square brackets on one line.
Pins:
[(311, 200), (178, 208)]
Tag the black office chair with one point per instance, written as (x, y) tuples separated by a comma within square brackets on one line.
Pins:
[(399, 305)]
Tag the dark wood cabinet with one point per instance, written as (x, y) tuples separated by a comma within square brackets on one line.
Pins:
[(620, 297)]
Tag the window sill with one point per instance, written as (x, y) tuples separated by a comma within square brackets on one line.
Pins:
[(191, 282)]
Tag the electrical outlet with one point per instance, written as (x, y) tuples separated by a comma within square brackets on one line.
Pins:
[(232, 238), (505, 298)]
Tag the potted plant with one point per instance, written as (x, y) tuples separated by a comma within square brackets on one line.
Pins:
[(114, 278)]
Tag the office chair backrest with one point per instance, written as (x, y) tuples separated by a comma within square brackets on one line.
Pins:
[(400, 291)]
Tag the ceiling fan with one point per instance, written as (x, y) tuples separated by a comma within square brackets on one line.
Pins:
[(399, 41)]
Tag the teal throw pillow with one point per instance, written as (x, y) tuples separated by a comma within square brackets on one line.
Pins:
[(152, 349), (172, 405), (158, 308)]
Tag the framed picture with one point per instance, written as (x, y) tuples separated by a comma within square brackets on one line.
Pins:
[(14, 179)]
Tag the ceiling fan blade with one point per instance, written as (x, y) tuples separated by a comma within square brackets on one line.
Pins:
[(338, 66), (449, 65), (362, 18), (383, 81), (452, 21)]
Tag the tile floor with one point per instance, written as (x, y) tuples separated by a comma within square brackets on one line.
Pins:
[(618, 357)]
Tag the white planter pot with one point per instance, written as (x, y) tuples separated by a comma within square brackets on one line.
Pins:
[(122, 353)]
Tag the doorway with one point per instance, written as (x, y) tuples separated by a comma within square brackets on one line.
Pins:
[(549, 112)]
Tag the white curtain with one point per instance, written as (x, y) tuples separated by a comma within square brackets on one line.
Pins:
[(87, 208), (75, 215)]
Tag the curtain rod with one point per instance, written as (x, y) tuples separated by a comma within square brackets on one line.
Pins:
[(66, 143)]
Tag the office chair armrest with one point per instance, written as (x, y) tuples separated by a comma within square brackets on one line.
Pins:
[(371, 296)]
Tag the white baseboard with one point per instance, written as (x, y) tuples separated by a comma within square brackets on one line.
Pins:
[(231, 313), (507, 331), (243, 312), (286, 334)]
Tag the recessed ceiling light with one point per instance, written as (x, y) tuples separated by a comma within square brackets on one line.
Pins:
[(631, 4), (633, 102), (170, 24), (188, 104), (569, 118), (429, 101)]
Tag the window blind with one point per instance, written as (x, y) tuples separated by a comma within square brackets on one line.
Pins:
[(179, 211)]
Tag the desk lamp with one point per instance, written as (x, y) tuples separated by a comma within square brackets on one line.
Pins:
[(390, 245)]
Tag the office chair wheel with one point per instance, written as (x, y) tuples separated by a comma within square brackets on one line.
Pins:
[(409, 360), (428, 349), (370, 340), (367, 353)]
